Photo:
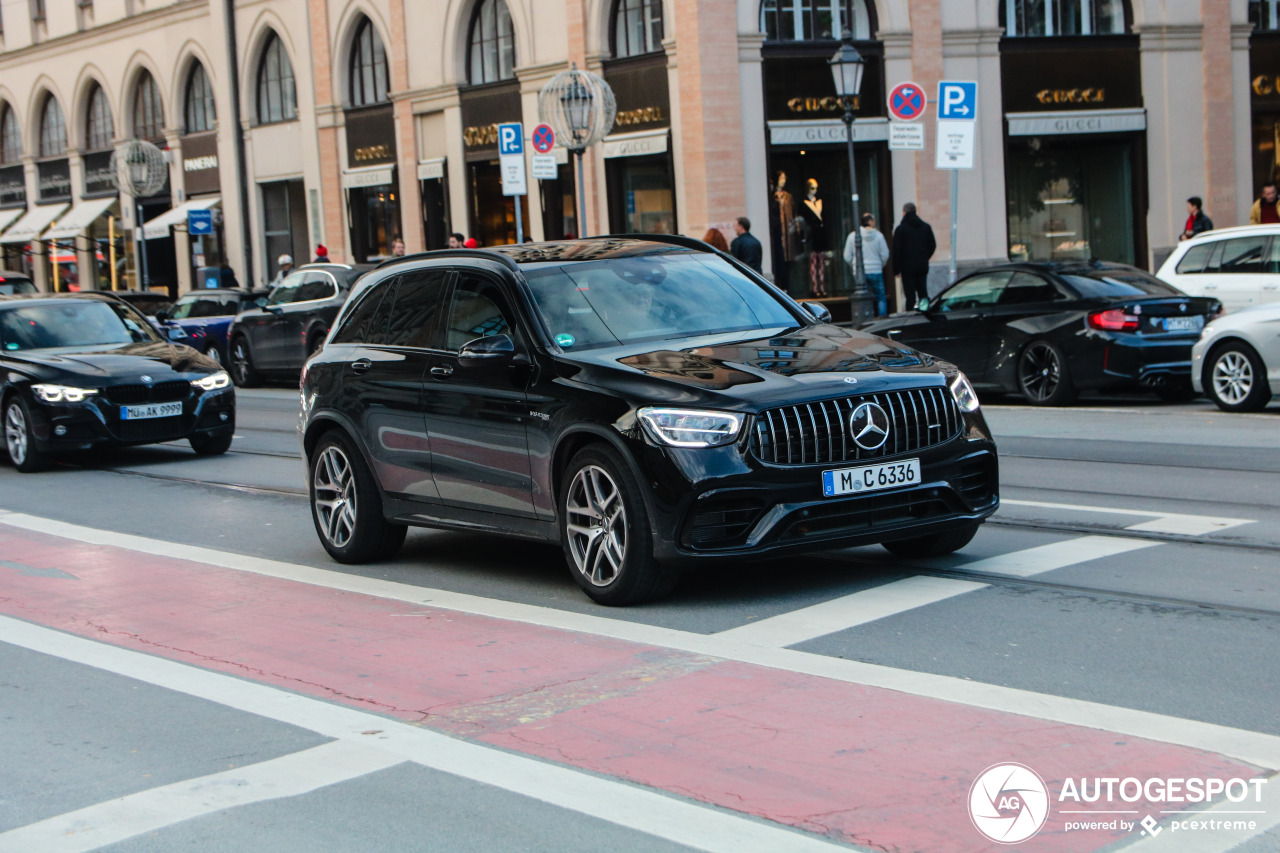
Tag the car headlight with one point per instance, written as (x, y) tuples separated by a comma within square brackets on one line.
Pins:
[(964, 395), (213, 381), (61, 393), (691, 427)]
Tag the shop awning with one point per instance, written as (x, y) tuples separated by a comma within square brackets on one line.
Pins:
[(7, 217), (30, 227), (159, 227), (79, 218)]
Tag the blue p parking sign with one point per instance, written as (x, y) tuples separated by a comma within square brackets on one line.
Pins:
[(957, 100), (510, 139)]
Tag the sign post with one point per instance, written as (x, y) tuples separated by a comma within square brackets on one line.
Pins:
[(957, 134), (511, 164)]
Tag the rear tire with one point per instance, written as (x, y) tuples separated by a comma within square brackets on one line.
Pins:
[(1235, 378), (243, 372), (19, 438), (604, 530), (1043, 376), (933, 544), (216, 354), (210, 445), (346, 505)]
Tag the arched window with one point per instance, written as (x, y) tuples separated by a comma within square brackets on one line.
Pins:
[(368, 70), (637, 27), (98, 127), (1265, 14), (10, 137), (1062, 17), (492, 51), (809, 20), (148, 113), (53, 129), (277, 99), (200, 114)]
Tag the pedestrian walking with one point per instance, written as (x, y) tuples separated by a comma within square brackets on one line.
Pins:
[(284, 266), (913, 246), (745, 247), (715, 239), (456, 240), (1266, 209), (397, 248), (1197, 222), (875, 254), (322, 255), (227, 276)]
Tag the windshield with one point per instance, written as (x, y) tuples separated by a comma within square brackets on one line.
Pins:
[(72, 323), (204, 306), (1114, 284), (651, 297), (10, 286)]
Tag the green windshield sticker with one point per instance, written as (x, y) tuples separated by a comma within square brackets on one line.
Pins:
[(10, 346), (565, 339)]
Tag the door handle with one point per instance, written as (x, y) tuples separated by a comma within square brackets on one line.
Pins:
[(442, 371), (360, 365)]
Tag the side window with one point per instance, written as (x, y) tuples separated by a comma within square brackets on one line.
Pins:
[(976, 292), (1243, 255), (1273, 257), (287, 291), (474, 313), (1025, 288), (362, 322), (1196, 258), (317, 285), (414, 321)]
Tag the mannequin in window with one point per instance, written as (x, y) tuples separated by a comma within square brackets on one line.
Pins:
[(815, 240), (782, 230)]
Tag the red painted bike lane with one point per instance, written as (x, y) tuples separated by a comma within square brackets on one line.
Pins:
[(858, 764)]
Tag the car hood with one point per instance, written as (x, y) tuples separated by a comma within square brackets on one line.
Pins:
[(98, 365), (748, 370)]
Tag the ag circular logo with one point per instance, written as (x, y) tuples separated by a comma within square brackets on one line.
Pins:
[(869, 426), (1008, 803)]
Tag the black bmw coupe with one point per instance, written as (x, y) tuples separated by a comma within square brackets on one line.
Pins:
[(1050, 330), (648, 403), (79, 370)]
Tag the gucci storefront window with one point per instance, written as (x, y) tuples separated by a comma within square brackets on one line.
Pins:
[(643, 195), (373, 195), (493, 215), (375, 221)]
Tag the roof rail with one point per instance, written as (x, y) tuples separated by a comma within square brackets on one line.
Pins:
[(484, 254)]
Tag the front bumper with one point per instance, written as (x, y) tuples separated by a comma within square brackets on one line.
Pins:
[(96, 421)]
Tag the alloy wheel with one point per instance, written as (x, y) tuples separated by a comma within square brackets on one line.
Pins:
[(240, 360), (15, 433), (214, 354), (1232, 377), (334, 490), (597, 525), (1040, 371)]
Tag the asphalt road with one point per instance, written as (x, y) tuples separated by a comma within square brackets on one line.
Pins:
[(1133, 566)]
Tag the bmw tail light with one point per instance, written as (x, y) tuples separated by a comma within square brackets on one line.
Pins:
[(1114, 320)]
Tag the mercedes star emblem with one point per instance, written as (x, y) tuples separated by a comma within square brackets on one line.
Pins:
[(869, 426)]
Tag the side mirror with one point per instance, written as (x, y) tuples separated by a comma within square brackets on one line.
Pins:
[(492, 350), (162, 315), (923, 305), (818, 311)]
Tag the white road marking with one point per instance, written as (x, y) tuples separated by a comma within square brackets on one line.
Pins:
[(1255, 748), (1055, 555), (1169, 840), (641, 809), (1162, 522), (146, 811), (849, 611)]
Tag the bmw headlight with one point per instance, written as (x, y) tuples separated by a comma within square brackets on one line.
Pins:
[(964, 395), (691, 427), (213, 381), (61, 393)]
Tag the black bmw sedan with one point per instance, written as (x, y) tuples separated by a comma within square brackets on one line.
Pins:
[(648, 403), (1050, 330), (81, 370)]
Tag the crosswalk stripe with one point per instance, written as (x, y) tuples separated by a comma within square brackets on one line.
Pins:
[(1056, 555)]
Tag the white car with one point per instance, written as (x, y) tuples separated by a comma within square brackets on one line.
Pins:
[(1236, 362), (1239, 266)]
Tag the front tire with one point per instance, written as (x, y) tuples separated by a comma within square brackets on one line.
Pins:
[(1235, 379), (1043, 376), (243, 373), (933, 544), (210, 445), (19, 439), (346, 506), (604, 529)]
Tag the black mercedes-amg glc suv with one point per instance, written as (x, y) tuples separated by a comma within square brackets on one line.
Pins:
[(647, 402)]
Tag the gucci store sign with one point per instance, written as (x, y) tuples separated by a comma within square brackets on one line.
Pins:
[(826, 131), (636, 144), (1076, 121), (355, 178)]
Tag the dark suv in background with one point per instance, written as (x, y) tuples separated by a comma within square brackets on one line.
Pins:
[(648, 403), (276, 337)]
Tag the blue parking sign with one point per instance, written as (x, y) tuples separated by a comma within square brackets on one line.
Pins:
[(199, 222), (511, 138), (957, 100)]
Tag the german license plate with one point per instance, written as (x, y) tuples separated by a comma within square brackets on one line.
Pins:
[(1183, 324), (870, 478), (155, 410)]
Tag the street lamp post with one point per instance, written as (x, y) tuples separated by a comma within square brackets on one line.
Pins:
[(580, 107), (576, 101), (846, 69)]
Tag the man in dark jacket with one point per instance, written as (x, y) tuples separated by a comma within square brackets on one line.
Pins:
[(1197, 222), (745, 247), (913, 246)]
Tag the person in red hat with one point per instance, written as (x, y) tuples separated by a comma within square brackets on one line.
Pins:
[(471, 243), (322, 255)]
